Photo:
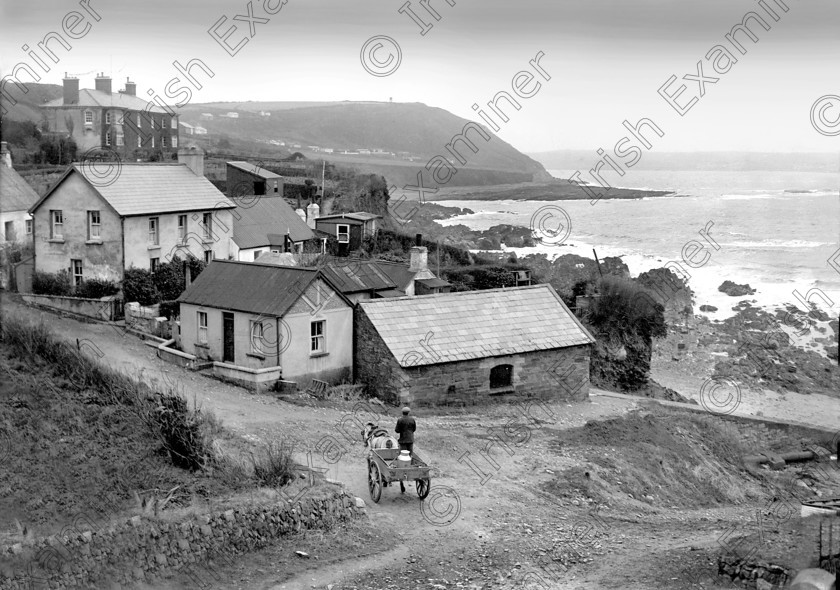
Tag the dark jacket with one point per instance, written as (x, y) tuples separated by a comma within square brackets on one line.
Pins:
[(405, 428)]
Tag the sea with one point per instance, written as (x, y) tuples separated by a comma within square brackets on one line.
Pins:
[(777, 231)]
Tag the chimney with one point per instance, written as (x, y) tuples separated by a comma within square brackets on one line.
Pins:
[(130, 87), (5, 156), (312, 213), (418, 240), (71, 90), (419, 259), (103, 83), (193, 157)]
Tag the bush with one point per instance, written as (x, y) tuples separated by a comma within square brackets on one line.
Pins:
[(96, 289), (137, 285), (180, 430), (169, 309), (624, 309), (274, 468), (45, 283)]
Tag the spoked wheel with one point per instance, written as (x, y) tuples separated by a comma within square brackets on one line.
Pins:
[(422, 486), (374, 481)]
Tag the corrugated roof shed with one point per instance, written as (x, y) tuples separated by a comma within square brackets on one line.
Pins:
[(97, 98), (255, 170), (250, 287), (474, 324), (15, 192), (357, 275), (268, 216), (143, 189)]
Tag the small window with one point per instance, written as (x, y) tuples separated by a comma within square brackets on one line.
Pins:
[(154, 263), (174, 141), (153, 230), (9, 231), (153, 141), (139, 121), (107, 117), (317, 344), (162, 141), (342, 231), (28, 227), (173, 122), (207, 222), (182, 227), (94, 225), (139, 141), (257, 254), (501, 376), (163, 123), (276, 186), (108, 138), (208, 256), (88, 117), (202, 327), (56, 225), (77, 272), (120, 139), (258, 338)]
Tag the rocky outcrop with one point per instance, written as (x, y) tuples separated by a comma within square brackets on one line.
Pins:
[(761, 575), (736, 290), (708, 308)]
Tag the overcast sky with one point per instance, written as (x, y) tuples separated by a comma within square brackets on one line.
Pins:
[(606, 59)]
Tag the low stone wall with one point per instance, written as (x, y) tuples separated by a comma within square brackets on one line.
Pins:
[(754, 574), (176, 357), (148, 320), (258, 380), (144, 551), (100, 309)]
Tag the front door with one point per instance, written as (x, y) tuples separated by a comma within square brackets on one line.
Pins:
[(227, 337)]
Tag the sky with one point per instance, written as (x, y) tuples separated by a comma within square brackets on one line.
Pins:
[(606, 60)]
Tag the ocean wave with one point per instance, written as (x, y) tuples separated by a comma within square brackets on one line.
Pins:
[(762, 195), (776, 244)]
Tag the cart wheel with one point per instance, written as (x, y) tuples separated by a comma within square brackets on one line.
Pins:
[(374, 481), (422, 486)]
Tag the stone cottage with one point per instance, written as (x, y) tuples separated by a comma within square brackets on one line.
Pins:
[(471, 347)]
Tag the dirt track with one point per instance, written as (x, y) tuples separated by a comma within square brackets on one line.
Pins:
[(501, 527)]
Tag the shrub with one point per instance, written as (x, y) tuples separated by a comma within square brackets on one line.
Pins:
[(96, 289), (274, 467), (180, 431), (169, 309), (137, 285), (45, 283), (625, 308)]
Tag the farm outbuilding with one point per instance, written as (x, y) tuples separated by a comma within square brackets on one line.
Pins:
[(471, 347)]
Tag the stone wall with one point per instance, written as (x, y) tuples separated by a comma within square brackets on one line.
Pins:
[(106, 309), (145, 551), (761, 575), (561, 374)]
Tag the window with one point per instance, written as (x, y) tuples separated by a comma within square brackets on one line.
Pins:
[(162, 141), (162, 123), (107, 138), (56, 225), (88, 117), (343, 233), (202, 327), (257, 337), (28, 227), (182, 228), (9, 231), (153, 230), (501, 376), (257, 254), (120, 139), (317, 344), (153, 264), (94, 225), (276, 186), (77, 272), (139, 121), (173, 122), (139, 141), (151, 122), (174, 141), (153, 141), (208, 256), (107, 117), (207, 222)]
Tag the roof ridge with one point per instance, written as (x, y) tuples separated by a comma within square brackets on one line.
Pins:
[(456, 293)]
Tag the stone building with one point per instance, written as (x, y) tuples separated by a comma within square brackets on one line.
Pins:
[(471, 347)]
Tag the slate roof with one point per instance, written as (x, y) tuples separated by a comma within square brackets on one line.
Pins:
[(474, 324), (433, 283), (357, 276), (97, 98), (266, 222), (255, 170), (143, 189), (398, 273), (250, 287), (15, 192)]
